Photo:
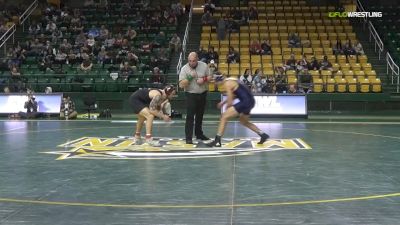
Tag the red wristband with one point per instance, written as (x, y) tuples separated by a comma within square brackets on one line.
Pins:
[(205, 79)]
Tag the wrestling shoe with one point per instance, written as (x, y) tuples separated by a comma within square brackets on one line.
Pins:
[(153, 143), (215, 143), (264, 137), (138, 141)]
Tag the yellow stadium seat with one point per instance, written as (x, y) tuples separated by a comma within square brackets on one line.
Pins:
[(370, 74), (376, 85), (330, 85), (341, 84), (318, 85), (364, 85), (352, 85)]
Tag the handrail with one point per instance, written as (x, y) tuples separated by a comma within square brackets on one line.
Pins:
[(360, 8), (27, 13), (394, 68), (10, 32), (378, 40), (184, 42)]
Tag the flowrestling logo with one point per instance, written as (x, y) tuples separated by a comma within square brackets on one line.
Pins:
[(355, 14), (170, 148)]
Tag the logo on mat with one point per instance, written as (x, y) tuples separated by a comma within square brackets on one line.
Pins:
[(170, 148)]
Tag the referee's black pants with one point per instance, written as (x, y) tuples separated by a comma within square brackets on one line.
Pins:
[(196, 104)]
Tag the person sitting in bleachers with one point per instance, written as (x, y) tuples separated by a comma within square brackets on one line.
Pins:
[(103, 34), (358, 48), (338, 48), (290, 63), (253, 14), (246, 78), (314, 64), (130, 34), (175, 43), (207, 19), (202, 54), (255, 48), (325, 64), (266, 47), (258, 82), (233, 26), (86, 66), (160, 40), (302, 64), (209, 7), (348, 49), (126, 71), (305, 80), (293, 89), (232, 56), (60, 57), (157, 77), (280, 80), (35, 28), (51, 27), (212, 55), (294, 41), (236, 14)]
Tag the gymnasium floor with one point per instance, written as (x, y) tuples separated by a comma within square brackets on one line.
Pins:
[(311, 171)]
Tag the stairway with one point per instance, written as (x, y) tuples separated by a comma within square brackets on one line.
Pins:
[(192, 42), (378, 65)]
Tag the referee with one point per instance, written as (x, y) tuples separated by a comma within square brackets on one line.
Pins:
[(194, 78)]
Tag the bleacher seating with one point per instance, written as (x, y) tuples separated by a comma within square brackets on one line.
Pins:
[(277, 19)]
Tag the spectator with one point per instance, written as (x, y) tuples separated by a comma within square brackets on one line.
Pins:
[(358, 48), (266, 47), (294, 41), (207, 19), (293, 89), (126, 71), (290, 63), (314, 64), (157, 77), (280, 80), (253, 14), (86, 66), (233, 26), (209, 7), (325, 64), (348, 49), (302, 64), (31, 107), (255, 48), (203, 54), (221, 29), (213, 67), (130, 34), (232, 56), (305, 80), (175, 43), (246, 78), (67, 109), (338, 48), (257, 83), (212, 55)]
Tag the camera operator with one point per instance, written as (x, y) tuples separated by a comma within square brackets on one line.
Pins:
[(67, 108), (31, 107)]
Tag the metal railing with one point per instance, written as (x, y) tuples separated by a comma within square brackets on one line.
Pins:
[(378, 40), (7, 35), (182, 55), (27, 13), (360, 8), (395, 71)]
